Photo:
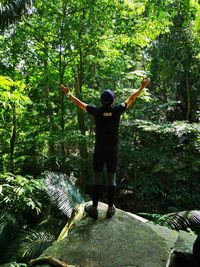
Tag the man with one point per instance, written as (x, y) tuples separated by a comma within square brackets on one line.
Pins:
[(107, 118)]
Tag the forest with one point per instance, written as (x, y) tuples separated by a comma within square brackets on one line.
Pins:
[(46, 142)]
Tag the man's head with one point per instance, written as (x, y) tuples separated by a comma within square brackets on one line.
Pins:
[(107, 97)]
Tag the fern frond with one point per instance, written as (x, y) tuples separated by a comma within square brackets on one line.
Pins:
[(9, 227), (176, 220), (30, 244), (63, 192), (180, 220)]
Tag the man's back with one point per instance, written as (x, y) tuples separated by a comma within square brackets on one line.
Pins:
[(107, 120)]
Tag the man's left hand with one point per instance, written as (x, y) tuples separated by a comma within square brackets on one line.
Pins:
[(145, 83), (65, 89)]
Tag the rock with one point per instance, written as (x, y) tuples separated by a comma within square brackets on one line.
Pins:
[(125, 240), (184, 244), (182, 254), (196, 250)]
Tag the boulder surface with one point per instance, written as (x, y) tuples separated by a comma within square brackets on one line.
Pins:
[(125, 240)]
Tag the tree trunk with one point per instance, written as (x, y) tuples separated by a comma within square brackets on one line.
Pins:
[(13, 139), (49, 111), (188, 117), (62, 111), (62, 67), (81, 124)]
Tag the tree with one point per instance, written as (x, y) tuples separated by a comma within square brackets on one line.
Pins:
[(12, 101), (175, 62)]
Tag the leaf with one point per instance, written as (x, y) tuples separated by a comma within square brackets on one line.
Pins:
[(30, 244), (62, 192), (180, 220), (176, 220)]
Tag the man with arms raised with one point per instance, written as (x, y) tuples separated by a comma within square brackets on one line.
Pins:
[(107, 118)]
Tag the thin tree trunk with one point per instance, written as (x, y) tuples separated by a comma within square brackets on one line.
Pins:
[(49, 111), (188, 98), (13, 139), (81, 124), (62, 67), (62, 120)]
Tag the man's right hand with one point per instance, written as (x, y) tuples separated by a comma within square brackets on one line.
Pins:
[(65, 89)]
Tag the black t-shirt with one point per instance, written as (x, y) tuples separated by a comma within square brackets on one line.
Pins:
[(107, 120)]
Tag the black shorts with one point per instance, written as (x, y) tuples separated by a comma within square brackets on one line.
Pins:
[(107, 157)]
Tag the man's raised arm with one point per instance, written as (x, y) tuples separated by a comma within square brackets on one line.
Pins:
[(74, 99), (132, 98)]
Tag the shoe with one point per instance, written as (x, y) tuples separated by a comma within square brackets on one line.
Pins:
[(92, 211), (110, 212)]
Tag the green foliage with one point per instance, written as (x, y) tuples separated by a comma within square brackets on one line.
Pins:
[(15, 264), (22, 201), (30, 244), (176, 220), (9, 226), (12, 11), (174, 62), (33, 212), (19, 194), (63, 192), (162, 162), (12, 93), (93, 45), (13, 102)]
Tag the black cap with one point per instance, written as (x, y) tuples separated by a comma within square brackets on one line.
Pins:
[(107, 97)]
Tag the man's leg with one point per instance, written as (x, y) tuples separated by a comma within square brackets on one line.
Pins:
[(111, 164), (96, 188), (111, 191), (111, 188), (91, 210), (98, 164)]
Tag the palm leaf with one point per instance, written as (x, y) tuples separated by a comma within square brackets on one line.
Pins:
[(176, 220), (52, 225), (12, 11), (180, 220), (63, 192), (8, 230), (30, 244)]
